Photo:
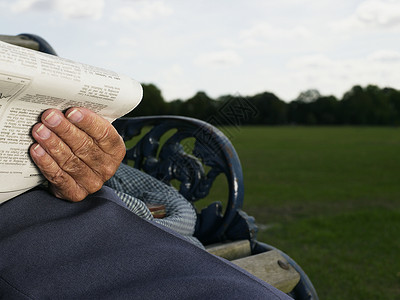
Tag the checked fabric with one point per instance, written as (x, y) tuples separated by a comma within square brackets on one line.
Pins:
[(136, 188)]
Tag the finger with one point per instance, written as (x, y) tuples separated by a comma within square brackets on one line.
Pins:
[(65, 159), (68, 141), (77, 140), (92, 138), (102, 132), (61, 183)]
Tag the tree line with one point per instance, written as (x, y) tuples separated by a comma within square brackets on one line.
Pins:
[(368, 105)]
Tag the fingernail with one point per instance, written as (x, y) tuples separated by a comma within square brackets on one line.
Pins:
[(75, 116), (53, 119), (39, 150), (43, 132)]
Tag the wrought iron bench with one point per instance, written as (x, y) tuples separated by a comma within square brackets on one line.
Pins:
[(193, 153), (228, 232)]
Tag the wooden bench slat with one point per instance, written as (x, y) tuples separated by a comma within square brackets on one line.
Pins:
[(230, 250), (271, 267)]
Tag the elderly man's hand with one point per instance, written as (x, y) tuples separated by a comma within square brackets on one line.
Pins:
[(76, 152)]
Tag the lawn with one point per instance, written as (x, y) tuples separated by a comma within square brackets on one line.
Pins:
[(330, 198)]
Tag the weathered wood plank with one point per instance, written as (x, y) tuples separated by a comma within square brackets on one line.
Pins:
[(230, 250), (272, 268)]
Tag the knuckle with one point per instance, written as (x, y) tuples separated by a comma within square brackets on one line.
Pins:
[(79, 195), (121, 149), (85, 148), (55, 148), (108, 171), (72, 164), (46, 165), (118, 152), (106, 135), (69, 129), (58, 178), (97, 155), (110, 136), (58, 193), (94, 186), (73, 194), (53, 145), (95, 159)]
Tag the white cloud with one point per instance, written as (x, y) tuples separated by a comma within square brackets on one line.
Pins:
[(20, 6), (128, 42), (263, 44), (142, 10), (379, 13), (372, 14), (92, 9), (102, 43), (268, 38), (332, 76), (174, 82), (385, 56), (265, 30), (218, 59), (127, 48), (311, 62), (70, 9)]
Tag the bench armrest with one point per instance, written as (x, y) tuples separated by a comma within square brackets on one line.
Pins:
[(178, 159)]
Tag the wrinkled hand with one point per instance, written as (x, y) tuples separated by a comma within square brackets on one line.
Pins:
[(76, 152)]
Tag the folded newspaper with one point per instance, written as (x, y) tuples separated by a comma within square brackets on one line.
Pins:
[(31, 82)]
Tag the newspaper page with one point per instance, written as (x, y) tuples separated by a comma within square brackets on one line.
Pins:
[(31, 82)]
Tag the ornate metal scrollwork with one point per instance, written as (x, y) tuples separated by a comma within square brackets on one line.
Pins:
[(179, 159)]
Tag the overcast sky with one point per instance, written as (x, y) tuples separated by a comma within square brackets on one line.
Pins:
[(226, 46)]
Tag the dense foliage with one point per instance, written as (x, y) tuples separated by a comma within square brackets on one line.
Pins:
[(369, 105)]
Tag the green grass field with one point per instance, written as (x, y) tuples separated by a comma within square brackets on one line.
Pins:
[(330, 198)]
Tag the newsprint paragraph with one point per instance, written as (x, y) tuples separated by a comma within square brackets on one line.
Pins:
[(31, 82)]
